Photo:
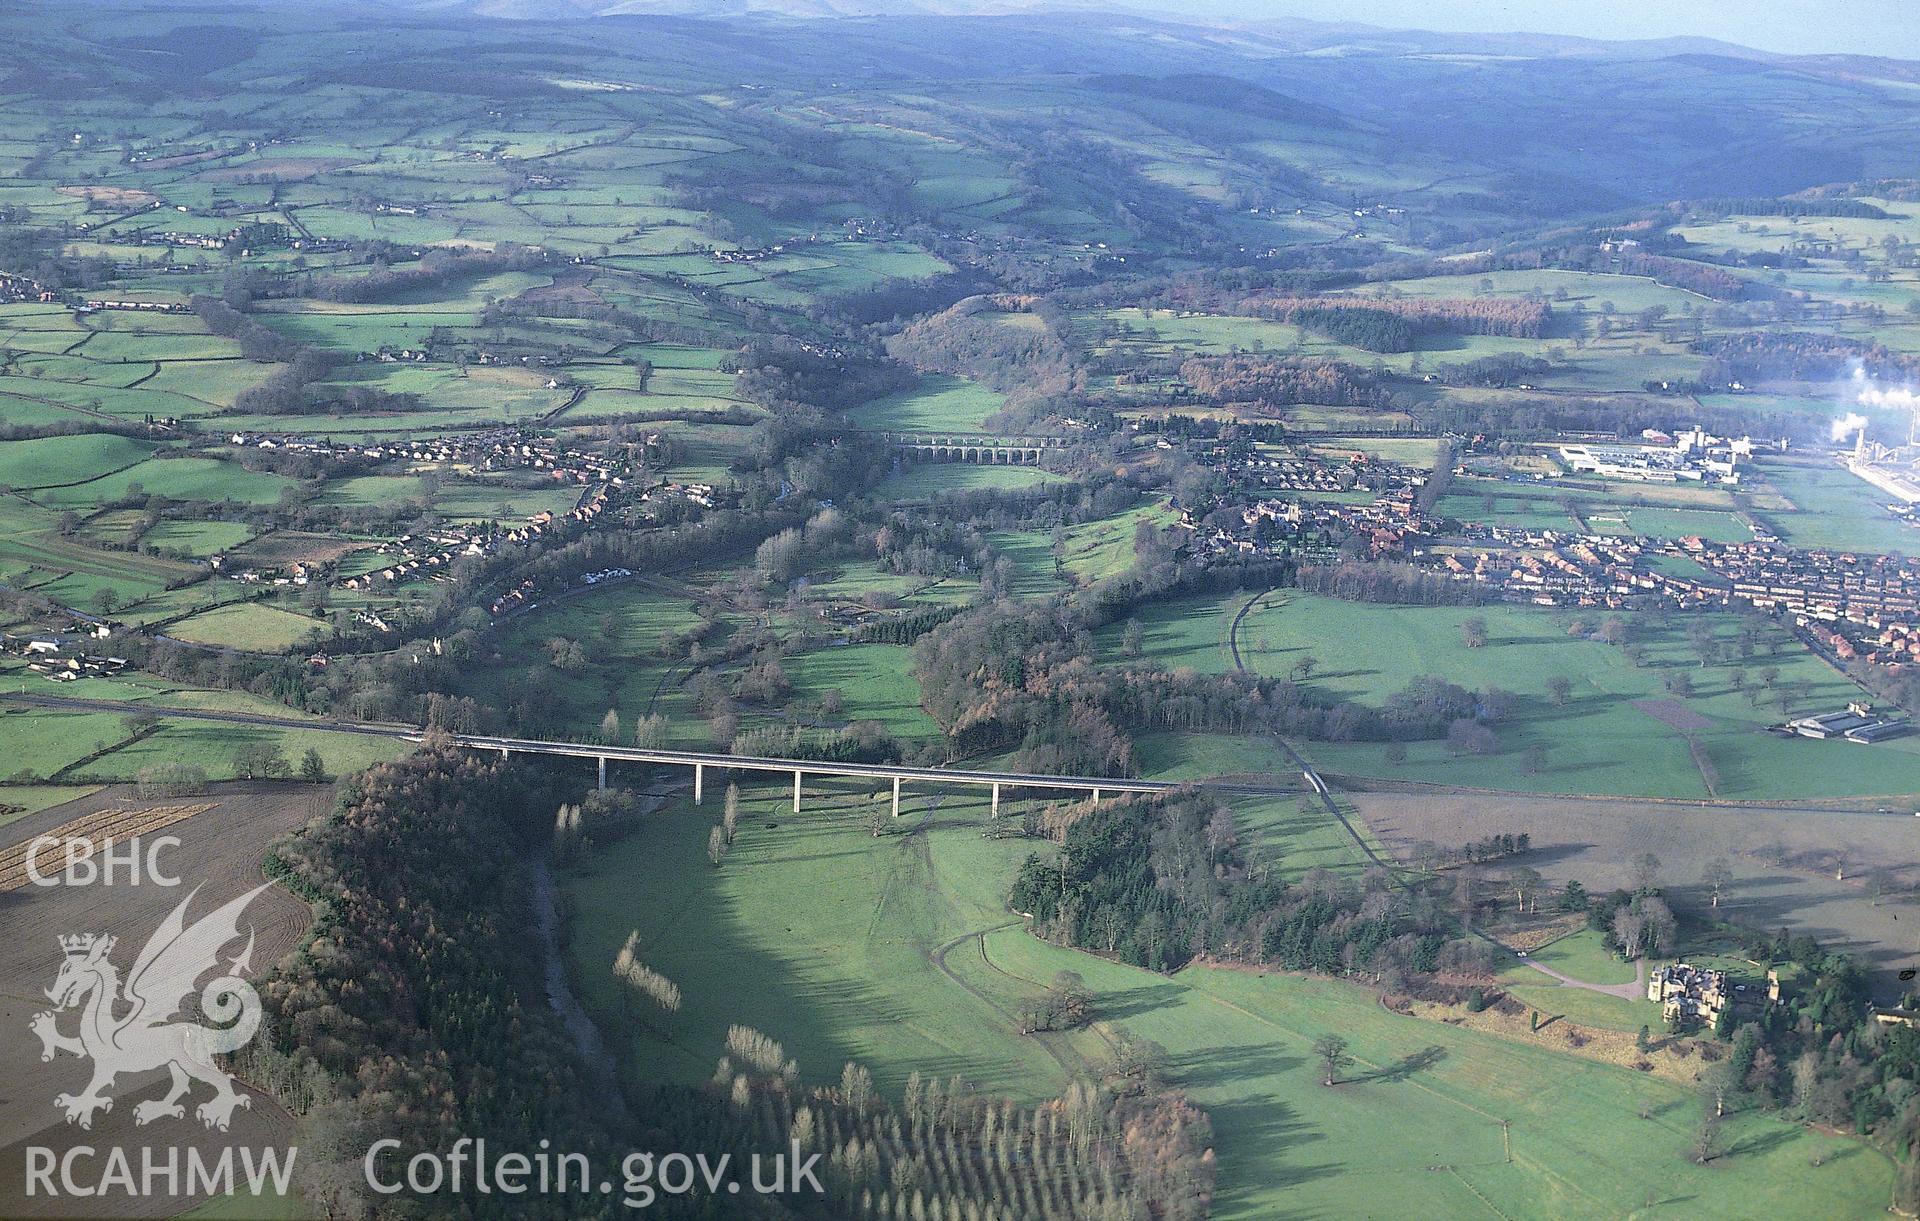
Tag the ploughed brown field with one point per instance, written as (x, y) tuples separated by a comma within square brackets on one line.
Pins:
[(1850, 879), (284, 547), (221, 848)]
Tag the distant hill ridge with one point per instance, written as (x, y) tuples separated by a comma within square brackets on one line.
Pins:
[(1218, 93), (1282, 34)]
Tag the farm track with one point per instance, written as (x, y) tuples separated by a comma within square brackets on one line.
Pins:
[(938, 957), (1313, 778), (573, 400)]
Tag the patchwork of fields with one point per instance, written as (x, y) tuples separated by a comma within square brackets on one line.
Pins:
[(555, 378)]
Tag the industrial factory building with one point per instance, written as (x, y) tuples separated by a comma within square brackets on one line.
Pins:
[(1692, 457)]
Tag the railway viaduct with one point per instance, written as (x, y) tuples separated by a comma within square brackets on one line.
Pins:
[(973, 447)]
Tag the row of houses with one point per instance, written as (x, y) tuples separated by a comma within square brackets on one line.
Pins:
[(1269, 527), (518, 597), (420, 556), (591, 507), (138, 307), (1359, 473), (1518, 564), (1895, 644), (1864, 607), (15, 289), (499, 449), (55, 660), (1546, 577), (433, 555), (297, 573), (1827, 585)]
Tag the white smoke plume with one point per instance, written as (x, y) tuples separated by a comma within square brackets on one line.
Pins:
[(1846, 425), (1868, 393), (1903, 399)]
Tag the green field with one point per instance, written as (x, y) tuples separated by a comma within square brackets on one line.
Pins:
[(56, 461), (148, 690), (1671, 524), (1094, 550), (41, 744), (211, 747), (1583, 956), (922, 481), (937, 404), (1582, 506), (250, 627), (837, 962), (903, 958), (1581, 1006), (198, 538), (1528, 510), (1186, 756), (1608, 738), (178, 478), (1835, 509), (621, 628), (875, 682), (1622, 353), (1627, 294), (244, 1206)]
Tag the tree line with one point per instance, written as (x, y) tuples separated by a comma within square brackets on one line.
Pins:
[(1394, 324), (1277, 381), (394, 1017), (436, 267), (1801, 356), (1160, 880)]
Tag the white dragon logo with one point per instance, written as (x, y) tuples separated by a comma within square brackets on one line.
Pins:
[(143, 1035)]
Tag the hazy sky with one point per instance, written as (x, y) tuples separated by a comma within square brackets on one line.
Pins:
[(1871, 27)]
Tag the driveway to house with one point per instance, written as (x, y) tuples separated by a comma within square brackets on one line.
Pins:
[(1633, 991)]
